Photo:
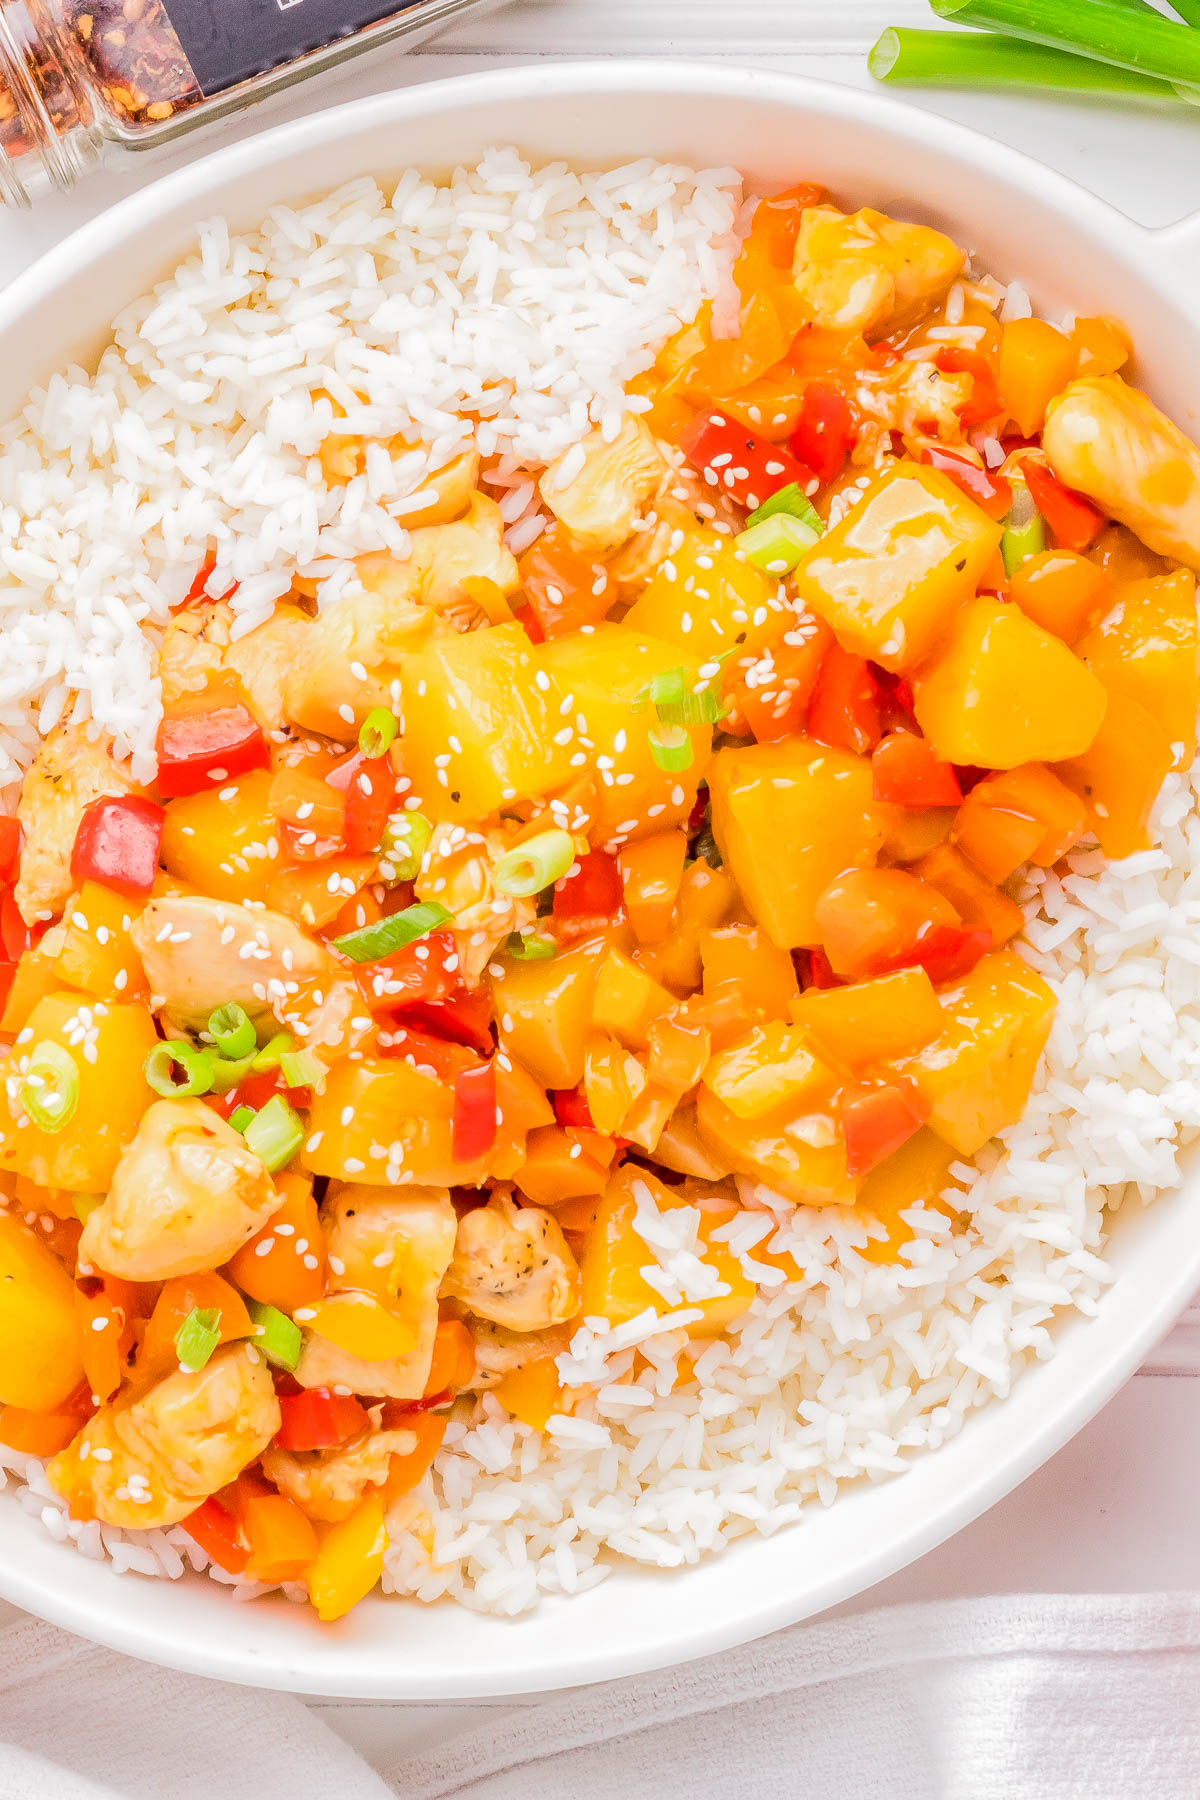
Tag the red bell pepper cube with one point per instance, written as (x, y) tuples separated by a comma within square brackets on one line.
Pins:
[(474, 1130), (990, 492), (814, 969), (739, 462), (10, 848), (426, 970), (946, 953), (1072, 518), (906, 771), (594, 891), (370, 788), (985, 401), (878, 1122), (216, 1531), (118, 842), (425, 1051), (563, 587), (318, 1419), (571, 1109), (844, 711), (201, 750), (460, 1018), (825, 433)]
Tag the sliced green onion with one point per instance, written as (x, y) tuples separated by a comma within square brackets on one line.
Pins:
[(1107, 30), (1024, 530), (371, 942), (777, 543), (198, 1337), (536, 864), (272, 1052), (403, 847), (301, 1069), (378, 733), (231, 1031), (529, 949), (227, 1075), (677, 701), (84, 1206), (197, 1067), (278, 1337), (793, 501), (241, 1116), (50, 1091), (977, 59), (275, 1134), (671, 748)]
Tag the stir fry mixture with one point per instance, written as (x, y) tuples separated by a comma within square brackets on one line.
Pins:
[(499, 907)]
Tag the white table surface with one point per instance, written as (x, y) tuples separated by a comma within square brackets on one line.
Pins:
[(1115, 1510)]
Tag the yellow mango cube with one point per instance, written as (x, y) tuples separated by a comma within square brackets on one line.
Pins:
[(1002, 692), (37, 975), (544, 1011), (1119, 775), (867, 1021), (226, 841), (613, 1080), (1147, 648), (40, 1358), (108, 1043), (478, 727), (603, 672), (788, 818), (800, 1155), (97, 952), (612, 1285), (976, 1077), (532, 1393), (895, 567), (918, 1173), (774, 1066), (399, 1129), (702, 597), (627, 1000)]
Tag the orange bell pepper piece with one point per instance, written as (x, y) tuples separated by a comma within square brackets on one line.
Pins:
[(283, 1265), (1016, 816), (1061, 591), (45, 1433), (651, 871), (563, 1165), (107, 1307), (453, 1362), (532, 1393), (282, 1539), (979, 903), (404, 1472), (216, 1530), (349, 1560)]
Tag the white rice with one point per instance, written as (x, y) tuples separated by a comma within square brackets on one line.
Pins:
[(526, 297), (201, 425)]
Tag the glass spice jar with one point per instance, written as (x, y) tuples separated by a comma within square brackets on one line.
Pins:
[(83, 79)]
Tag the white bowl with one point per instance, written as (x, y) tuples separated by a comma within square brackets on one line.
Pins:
[(1072, 252)]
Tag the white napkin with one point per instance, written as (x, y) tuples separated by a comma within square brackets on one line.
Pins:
[(1019, 1697)]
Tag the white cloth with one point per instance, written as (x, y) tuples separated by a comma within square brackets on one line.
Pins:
[(1019, 1697)]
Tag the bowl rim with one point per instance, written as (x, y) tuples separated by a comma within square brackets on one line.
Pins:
[(1136, 1319)]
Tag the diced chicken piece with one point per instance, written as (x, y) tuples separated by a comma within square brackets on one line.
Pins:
[(347, 661), (445, 556), (599, 500), (150, 1462), (186, 1195), (329, 1484), (499, 1351), (200, 953), (67, 774), (512, 1265), (1114, 445), (460, 876), (199, 652), (864, 272)]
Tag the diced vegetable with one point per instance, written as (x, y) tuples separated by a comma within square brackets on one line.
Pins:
[(41, 1361), (1001, 691), (1119, 775), (628, 1000), (1060, 590), (404, 1472), (845, 710), (702, 596), (744, 955), (875, 920), (532, 1393), (978, 902), (1022, 815), (216, 1530), (319, 1419), (278, 1337), (282, 1539), (825, 431), (565, 588), (349, 1561), (1147, 648), (364, 1326), (906, 771), (1072, 518), (891, 572), (283, 1266), (800, 1156), (651, 870), (117, 844), (474, 1130), (202, 750), (990, 492), (788, 817), (206, 1296), (225, 843), (1036, 362), (869, 1021), (275, 1133), (389, 1103), (776, 544), (736, 461), (877, 1123)]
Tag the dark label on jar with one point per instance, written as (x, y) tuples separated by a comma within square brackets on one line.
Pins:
[(229, 41)]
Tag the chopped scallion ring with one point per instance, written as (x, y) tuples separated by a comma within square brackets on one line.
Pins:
[(404, 840), (677, 701), (198, 1337), (371, 942), (378, 733), (529, 949), (275, 1134), (777, 543), (302, 1069), (536, 864), (241, 1116), (273, 1051), (1024, 530), (231, 1031), (278, 1337), (198, 1068), (790, 500), (671, 748), (50, 1091)]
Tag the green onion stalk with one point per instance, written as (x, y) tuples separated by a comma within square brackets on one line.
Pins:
[(1108, 30), (978, 59)]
